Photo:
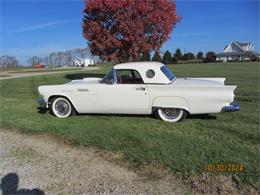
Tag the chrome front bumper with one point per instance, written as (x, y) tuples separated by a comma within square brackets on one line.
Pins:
[(42, 105), (231, 107)]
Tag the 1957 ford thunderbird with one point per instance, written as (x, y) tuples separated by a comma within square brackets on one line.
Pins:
[(139, 88)]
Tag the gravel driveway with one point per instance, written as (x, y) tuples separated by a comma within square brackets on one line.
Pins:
[(39, 161)]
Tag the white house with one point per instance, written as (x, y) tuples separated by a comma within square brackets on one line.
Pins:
[(237, 51), (83, 62)]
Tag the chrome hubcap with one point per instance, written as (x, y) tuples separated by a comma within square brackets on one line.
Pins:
[(62, 107), (171, 113)]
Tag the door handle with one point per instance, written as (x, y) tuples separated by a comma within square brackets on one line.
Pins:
[(140, 88)]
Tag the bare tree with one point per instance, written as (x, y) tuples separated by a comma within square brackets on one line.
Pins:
[(68, 57), (46, 60), (52, 57), (34, 60), (63, 58), (8, 61)]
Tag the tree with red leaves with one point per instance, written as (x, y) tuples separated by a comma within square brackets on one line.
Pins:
[(123, 30)]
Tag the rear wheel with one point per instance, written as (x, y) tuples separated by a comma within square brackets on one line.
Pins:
[(61, 107), (171, 114)]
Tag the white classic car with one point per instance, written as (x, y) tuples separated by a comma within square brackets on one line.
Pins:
[(139, 88)]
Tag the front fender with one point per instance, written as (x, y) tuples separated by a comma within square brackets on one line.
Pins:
[(49, 98), (171, 102), (50, 91)]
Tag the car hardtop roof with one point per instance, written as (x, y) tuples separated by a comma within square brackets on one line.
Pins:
[(138, 65)]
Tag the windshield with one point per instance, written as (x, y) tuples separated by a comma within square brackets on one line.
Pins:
[(108, 78), (168, 73)]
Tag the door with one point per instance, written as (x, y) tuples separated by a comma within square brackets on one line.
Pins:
[(128, 95)]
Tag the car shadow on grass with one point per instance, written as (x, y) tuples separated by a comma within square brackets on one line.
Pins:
[(152, 116), (118, 115), (10, 185), (202, 117), (83, 75)]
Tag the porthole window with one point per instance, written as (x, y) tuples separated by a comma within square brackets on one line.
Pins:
[(150, 73)]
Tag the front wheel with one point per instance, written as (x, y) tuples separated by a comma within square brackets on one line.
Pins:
[(171, 114), (61, 107)]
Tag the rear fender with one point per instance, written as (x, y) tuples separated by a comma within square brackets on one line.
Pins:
[(170, 102), (219, 80)]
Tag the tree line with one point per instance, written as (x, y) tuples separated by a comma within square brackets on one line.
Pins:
[(60, 58), (66, 58), (178, 57)]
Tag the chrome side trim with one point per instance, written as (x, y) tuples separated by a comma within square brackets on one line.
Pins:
[(83, 90)]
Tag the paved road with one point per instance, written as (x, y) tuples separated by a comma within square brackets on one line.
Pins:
[(27, 74), (55, 168)]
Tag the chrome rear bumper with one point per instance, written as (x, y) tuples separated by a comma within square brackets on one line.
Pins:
[(231, 107)]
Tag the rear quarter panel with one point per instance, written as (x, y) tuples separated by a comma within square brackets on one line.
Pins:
[(196, 100)]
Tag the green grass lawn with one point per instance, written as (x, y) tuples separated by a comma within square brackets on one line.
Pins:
[(186, 147)]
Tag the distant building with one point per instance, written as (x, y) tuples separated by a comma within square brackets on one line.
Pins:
[(38, 66), (84, 62), (237, 51)]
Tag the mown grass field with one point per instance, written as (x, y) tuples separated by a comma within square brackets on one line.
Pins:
[(186, 147)]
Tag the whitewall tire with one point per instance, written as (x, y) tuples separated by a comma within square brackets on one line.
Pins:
[(61, 107), (171, 114)]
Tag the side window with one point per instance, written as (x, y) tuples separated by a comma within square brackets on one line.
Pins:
[(167, 72), (150, 73), (128, 77)]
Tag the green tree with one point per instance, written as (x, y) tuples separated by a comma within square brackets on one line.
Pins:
[(211, 56), (146, 56), (167, 57), (200, 55), (178, 54), (174, 60), (188, 56), (157, 57)]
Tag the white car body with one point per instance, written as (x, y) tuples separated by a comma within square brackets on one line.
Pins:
[(194, 95)]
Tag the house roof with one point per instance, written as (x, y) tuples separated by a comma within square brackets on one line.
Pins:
[(240, 47), (242, 44)]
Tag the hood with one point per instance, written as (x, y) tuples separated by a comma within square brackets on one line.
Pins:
[(46, 89), (199, 81)]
